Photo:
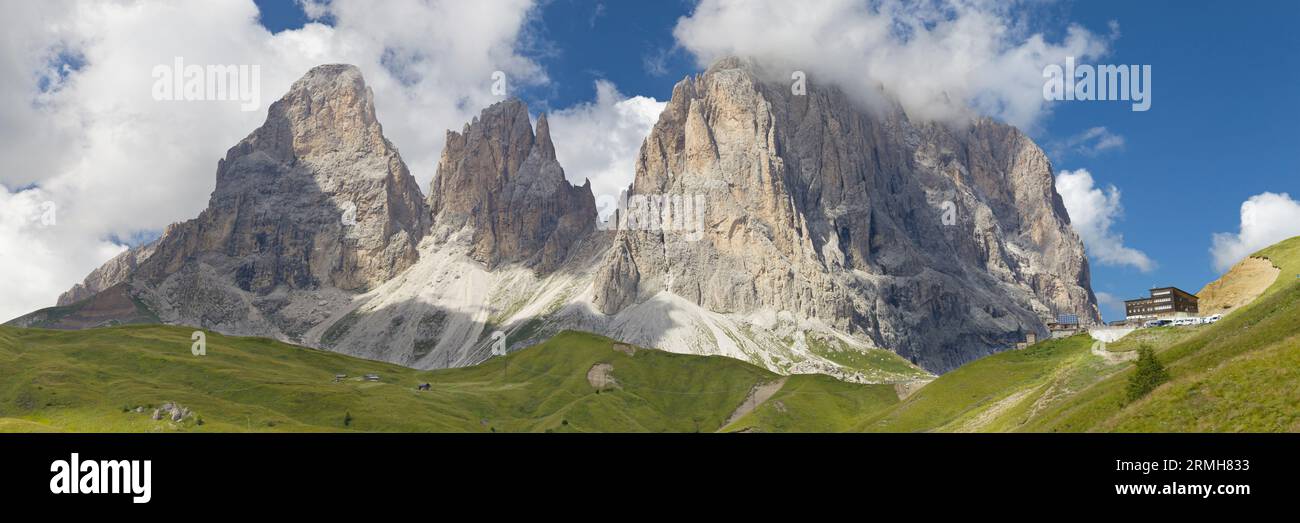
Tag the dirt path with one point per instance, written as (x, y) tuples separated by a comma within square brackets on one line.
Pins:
[(993, 412), (757, 396)]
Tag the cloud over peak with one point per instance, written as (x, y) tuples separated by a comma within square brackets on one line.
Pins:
[(600, 140), (80, 126), (942, 60)]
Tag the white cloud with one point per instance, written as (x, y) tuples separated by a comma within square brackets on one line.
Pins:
[(1093, 212), (33, 260), (1091, 142), (943, 60), (1266, 218), (600, 140), (116, 162)]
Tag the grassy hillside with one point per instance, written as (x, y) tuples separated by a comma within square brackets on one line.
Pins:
[(992, 392), (94, 380), (1240, 374), (816, 403)]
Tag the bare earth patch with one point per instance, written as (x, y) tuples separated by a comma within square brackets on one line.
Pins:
[(1244, 282), (601, 376), (757, 396), (906, 388)]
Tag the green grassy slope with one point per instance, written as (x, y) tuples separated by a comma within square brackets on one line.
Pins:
[(1240, 374), (93, 380), (877, 365), (816, 403), (977, 394)]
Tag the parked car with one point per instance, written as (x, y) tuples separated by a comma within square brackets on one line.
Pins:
[(1182, 322), (1156, 323), (1212, 318)]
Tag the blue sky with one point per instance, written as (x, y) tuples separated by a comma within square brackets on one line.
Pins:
[(1224, 125), (1224, 122)]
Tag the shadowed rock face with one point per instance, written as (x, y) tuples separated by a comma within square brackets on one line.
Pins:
[(114, 271), (501, 185), (822, 208), (311, 206), (315, 196)]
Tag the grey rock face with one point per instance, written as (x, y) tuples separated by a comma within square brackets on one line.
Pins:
[(113, 272), (501, 184), (940, 243), (312, 205), (316, 196), (819, 207)]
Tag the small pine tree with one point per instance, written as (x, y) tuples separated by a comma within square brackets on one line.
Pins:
[(1148, 375)]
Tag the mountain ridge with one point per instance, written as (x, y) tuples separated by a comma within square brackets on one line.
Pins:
[(823, 235)]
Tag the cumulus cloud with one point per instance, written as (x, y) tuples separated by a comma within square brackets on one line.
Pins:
[(31, 264), (1266, 218), (942, 60), (600, 140), (79, 127), (1093, 213)]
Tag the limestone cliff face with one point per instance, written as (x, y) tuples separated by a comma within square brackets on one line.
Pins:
[(113, 272), (316, 196), (819, 207), (824, 225), (501, 185), (312, 206)]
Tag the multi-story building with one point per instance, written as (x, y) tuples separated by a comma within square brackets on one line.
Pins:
[(1164, 302)]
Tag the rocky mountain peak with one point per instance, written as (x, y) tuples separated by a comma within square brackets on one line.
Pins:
[(329, 109), (830, 210), (314, 199), (821, 220), (544, 145), (499, 182)]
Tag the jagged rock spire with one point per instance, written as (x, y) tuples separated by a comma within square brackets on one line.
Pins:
[(314, 197), (501, 181)]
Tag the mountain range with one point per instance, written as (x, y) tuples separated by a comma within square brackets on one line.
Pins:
[(835, 237)]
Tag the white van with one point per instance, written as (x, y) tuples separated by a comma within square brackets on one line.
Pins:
[(1212, 318)]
